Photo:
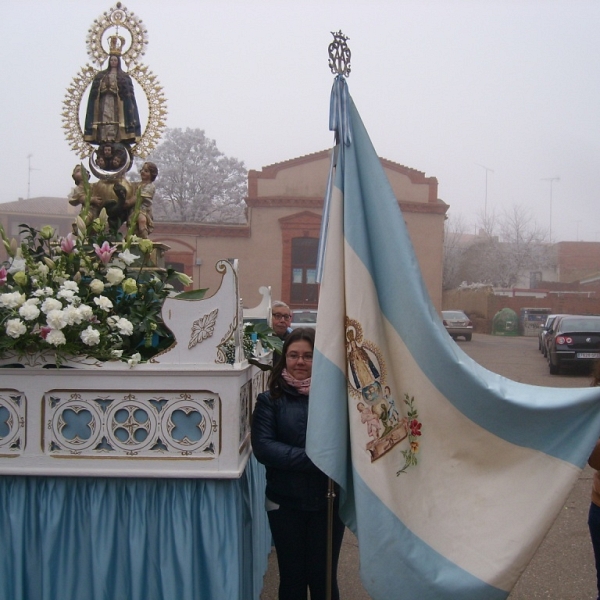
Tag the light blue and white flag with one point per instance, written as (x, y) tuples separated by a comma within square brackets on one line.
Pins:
[(451, 474)]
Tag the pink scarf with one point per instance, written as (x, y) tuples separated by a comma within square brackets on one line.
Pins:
[(303, 386)]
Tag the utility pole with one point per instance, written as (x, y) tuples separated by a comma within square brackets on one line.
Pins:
[(551, 180), (487, 170), (29, 169)]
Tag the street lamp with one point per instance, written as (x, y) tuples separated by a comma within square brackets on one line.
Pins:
[(551, 180)]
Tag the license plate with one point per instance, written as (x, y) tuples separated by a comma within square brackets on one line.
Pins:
[(588, 355)]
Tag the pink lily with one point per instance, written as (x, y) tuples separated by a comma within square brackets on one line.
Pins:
[(3, 276), (68, 244), (104, 252)]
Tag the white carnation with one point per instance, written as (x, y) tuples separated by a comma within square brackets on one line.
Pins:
[(56, 337), (68, 295), (125, 326), (15, 328), (103, 303), (90, 336), (50, 304), (116, 353), (70, 285), (12, 299), (56, 319), (29, 311), (85, 312), (47, 291), (72, 315)]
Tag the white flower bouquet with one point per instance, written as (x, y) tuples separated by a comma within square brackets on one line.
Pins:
[(88, 294)]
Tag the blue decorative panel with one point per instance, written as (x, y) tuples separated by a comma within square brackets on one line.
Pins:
[(135, 424)]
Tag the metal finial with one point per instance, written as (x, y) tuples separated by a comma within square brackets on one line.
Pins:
[(339, 54)]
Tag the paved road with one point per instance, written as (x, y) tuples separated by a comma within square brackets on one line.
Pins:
[(563, 567)]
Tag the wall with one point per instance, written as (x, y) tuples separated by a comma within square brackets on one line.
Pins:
[(482, 305)]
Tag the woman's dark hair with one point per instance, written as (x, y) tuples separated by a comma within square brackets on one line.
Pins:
[(301, 333)]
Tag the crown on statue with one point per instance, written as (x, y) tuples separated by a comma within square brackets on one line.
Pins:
[(116, 43)]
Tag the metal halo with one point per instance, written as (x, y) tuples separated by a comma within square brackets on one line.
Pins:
[(117, 16), (157, 111)]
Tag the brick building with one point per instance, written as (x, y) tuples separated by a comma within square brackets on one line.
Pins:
[(277, 246)]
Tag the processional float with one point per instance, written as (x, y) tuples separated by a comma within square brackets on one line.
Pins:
[(125, 478)]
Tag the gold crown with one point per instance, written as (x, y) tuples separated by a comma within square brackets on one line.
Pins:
[(116, 43)]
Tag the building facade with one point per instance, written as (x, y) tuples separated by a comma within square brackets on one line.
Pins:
[(277, 246)]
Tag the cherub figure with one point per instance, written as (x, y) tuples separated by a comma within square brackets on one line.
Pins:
[(77, 195), (145, 221), (370, 418)]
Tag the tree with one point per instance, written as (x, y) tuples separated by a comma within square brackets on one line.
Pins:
[(506, 247), (454, 230), (196, 181), (524, 244)]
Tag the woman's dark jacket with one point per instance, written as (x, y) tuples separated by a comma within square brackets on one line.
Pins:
[(278, 441)]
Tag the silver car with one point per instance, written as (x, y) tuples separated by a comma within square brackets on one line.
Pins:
[(457, 324), (303, 318)]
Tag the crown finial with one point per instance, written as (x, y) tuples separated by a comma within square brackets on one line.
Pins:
[(116, 43), (339, 54)]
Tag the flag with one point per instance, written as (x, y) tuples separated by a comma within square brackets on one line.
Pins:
[(450, 475)]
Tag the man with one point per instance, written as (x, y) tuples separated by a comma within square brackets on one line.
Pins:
[(281, 317)]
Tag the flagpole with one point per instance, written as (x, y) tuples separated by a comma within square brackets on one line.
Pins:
[(339, 63), (330, 508)]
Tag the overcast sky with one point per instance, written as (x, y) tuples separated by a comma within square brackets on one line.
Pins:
[(449, 88)]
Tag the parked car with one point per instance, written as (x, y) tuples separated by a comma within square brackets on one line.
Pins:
[(457, 324), (574, 340), (544, 332), (304, 318)]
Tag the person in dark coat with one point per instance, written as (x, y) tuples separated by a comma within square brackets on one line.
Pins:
[(281, 318), (296, 494)]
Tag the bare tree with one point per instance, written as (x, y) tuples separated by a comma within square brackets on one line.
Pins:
[(507, 246), (523, 244), (196, 181), (454, 247)]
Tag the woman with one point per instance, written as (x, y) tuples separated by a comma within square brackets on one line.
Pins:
[(296, 489), (112, 112)]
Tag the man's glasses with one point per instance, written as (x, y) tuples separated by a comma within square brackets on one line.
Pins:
[(279, 316), (296, 357)]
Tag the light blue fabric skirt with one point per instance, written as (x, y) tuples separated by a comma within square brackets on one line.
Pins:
[(73, 538)]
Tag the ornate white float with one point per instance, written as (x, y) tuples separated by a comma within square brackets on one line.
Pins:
[(158, 465), (122, 478), (184, 414)]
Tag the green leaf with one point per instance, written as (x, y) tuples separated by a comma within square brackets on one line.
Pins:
[(192, 295)]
